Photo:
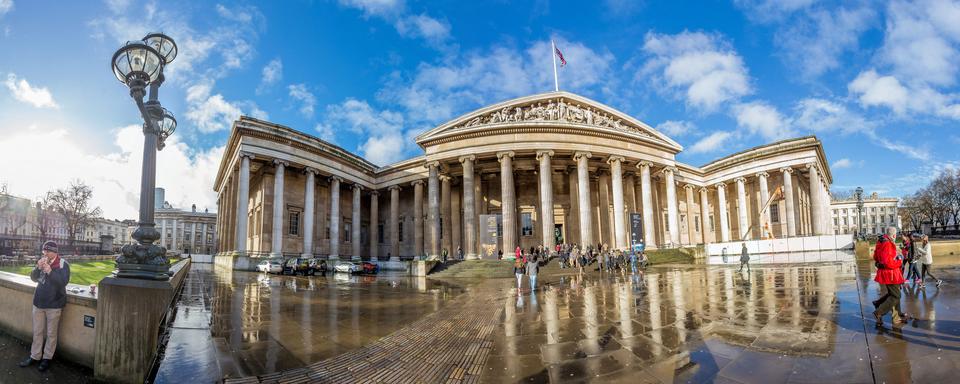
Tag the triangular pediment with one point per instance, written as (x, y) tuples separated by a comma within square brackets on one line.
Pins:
[(556, 109)]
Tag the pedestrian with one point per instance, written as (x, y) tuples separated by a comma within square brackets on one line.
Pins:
[(723, 254), (532, 268), (904, 252), (518, 270), (518, 253), (926, 259), (500, 254), (459, 253), (51, 275), (633, 262), (643, 259), (744, 258), (444, 254), (890, 278), (913, 261)]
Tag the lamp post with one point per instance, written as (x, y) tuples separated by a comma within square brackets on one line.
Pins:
[(858, 193), (139, 64)]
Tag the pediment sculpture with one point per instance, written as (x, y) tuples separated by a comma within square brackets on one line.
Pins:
[(552, 110)]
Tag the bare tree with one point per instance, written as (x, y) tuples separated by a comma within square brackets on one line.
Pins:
[(841, 194), (910, 212), (73, 204), (45, 218)]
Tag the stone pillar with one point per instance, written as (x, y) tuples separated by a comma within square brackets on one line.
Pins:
[(583, 197), (765, 225), (374, 225), (722, 204), (630, 195), (573, 228), (163, 233), (704, 213), (744, 222), (335, 217), (646, 194), (616, 178), (308, 211), (816, 200), (417, 218), (355, 240), (469, 209), (433, 211), (394, 222), (243, 197), (691, 233), (456, 222), (546, 199), (604, 231), (445, 220), (509, 204), (203, 239), (276, 240), (173, 239), (673, 219)]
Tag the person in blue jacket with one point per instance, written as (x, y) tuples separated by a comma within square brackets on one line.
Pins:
[(51, 274)]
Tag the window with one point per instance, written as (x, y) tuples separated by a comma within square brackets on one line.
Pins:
[(380, 233), (294, 223), (775, 213), (526, 227), (712, 227), (873, 219), (845, 220), (696, 223), (835, 221), (326, 230), (364, 236), (347, 234)]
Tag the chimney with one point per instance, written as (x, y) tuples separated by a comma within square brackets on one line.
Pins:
[(194, 208)]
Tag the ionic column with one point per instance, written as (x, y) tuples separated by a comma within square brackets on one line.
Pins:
[(276, 240), (394, 222), (744, 223), (630, 196), (604, 230), (509, 204), (433, 209), (193, 237), (583, 197), (203, 240), (691, 233), (469, 209), (355, 227), (673, 219), (647, 196), (163, 232), (243, 197), (765, 224), (456, 222), (445, 213), (722, 203), (816, 200), (374, 225), (573, 227), (308, 211), (417, 218), (335, 217), (704, 213), (173, 239), (546, 199), (616, 173)]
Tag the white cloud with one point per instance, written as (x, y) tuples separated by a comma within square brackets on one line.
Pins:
[(380, 8), (21, 90), (235, 14), (876, 90), (5, 6), (326, 133), (771, 10), (186, 174), (763, 119), (386, 140), (271, 73), (825, 116), (712, 143), (920, 41), (703, 69), (432, 30), (300, 93), (841, 163), (676, 128), (426, 27), (383, 150), (815, 40), (210, 113)]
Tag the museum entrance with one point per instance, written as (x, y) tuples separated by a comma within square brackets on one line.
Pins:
[(558, 233)]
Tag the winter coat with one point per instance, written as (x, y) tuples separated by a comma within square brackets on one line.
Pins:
[(532, 268), (888, 265), (744, 255), (926, 254), (51, 292)]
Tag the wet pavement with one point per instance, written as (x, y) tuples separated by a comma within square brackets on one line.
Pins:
[(235, 323), (776, 324), (13, 351)]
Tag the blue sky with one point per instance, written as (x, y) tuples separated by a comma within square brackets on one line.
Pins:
[(877, 81)]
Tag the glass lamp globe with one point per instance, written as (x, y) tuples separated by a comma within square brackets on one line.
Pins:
[(136, 61), (167, 125), (163, 44)]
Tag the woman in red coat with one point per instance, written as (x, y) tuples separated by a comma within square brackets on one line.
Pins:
[(890, 279)]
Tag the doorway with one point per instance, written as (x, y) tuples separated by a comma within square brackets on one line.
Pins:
[(558, 233)]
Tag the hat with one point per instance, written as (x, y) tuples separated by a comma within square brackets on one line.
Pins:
[(50, 246)]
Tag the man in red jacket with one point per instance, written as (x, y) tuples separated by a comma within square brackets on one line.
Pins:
[(890, 279)]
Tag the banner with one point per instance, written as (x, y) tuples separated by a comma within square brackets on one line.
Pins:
[(490, 229), (636, 232)]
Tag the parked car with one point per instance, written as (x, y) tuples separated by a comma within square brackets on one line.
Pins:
[(348, 267), (370, 268), (304, 266), (270, 266)]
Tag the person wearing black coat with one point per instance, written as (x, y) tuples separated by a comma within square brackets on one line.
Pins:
[(51, 275)]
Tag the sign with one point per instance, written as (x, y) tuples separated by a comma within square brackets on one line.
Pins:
[(490, 229), (88, 321), (636, 230)]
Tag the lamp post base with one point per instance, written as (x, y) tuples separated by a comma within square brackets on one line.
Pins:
[(143, 261)]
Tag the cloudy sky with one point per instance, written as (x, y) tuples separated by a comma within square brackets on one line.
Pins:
[(877, 81)]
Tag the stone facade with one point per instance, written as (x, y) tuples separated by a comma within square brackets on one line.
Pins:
[(878, 214), (186, 232), (554, 166)]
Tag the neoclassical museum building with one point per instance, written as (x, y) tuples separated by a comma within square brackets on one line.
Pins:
[(536, 170)]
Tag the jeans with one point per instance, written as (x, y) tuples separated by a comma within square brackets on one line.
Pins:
[(890, 301), (533, 282), (913, 271), (49, 318), (519, 277), (925, 271)]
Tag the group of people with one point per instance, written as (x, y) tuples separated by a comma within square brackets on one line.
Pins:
[(895, 267), (575, 256)]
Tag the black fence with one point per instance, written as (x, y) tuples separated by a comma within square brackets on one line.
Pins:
[(946, 230)]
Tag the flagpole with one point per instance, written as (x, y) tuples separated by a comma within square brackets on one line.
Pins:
[(553, 54)]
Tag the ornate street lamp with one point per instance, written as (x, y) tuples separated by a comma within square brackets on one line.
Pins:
[(139, 64), (858, 193)]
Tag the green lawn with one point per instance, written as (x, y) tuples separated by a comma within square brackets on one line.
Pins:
[(83, 273), (670, 256)]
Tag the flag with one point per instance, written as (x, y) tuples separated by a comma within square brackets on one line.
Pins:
[(563, 61)]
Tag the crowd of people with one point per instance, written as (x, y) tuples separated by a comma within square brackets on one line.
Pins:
[(600, 258), (910, 261)]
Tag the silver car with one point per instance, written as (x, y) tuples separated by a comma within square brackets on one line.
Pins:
[(270, 266), (347, 267)]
